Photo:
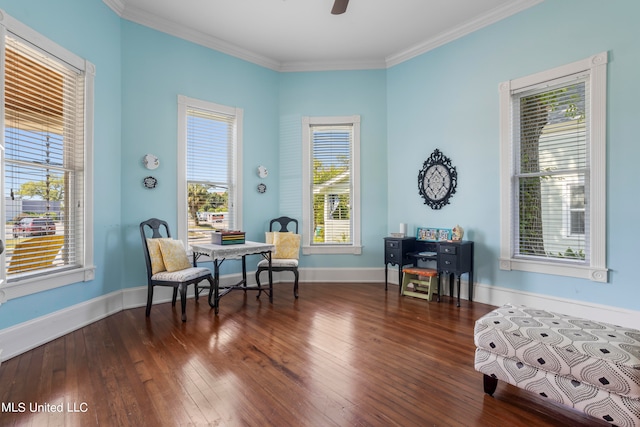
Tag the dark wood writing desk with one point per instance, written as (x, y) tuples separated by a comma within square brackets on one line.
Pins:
[(452, 258)]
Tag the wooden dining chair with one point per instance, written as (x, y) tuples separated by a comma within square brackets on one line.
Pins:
[(170, 266), (282, 260)]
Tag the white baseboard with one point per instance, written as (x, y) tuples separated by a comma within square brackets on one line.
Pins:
[(498, 296), (25, 336), (347, 275), (33, 333)]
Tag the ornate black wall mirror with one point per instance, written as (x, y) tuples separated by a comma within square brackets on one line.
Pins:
[(437, 180)]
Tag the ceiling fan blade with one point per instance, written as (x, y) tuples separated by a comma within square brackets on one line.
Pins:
[(339, 7)]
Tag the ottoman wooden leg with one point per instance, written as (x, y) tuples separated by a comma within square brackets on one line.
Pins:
[(490, 384)]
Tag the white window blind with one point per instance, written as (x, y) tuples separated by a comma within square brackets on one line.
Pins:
[(552, 170), (332, 185), (211, 184), (44, 139)]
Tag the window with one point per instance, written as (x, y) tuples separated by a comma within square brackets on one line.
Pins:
[(209, 149), (553, 197), (47, 141), (574, 210), (331, 185)]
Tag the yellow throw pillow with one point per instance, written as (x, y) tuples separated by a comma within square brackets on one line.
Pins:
[(157, 264), (174, 255), (287, 245), (268, 237)]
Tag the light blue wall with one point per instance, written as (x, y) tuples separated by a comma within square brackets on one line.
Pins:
[(92, 31), (448, 99), (339, 93), (445, 99), (158, 68)]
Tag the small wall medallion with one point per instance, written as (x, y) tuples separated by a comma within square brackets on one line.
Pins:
[(150, 182), (150, 161)]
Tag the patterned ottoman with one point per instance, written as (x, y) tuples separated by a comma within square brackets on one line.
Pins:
[(591, 366)]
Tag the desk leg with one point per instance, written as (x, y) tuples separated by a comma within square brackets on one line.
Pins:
[(400, 279), (244, 273), (438, 285), (458, 283), (215, 292), (471, 285), (270, 279), (386, 275), (450, 283)]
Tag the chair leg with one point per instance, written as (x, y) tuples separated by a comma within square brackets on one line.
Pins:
[(258, 282), (183, 301), (295, 284), (149, 300), (175, 295)]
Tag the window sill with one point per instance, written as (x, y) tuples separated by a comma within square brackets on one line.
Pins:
[(595, 274), (331, 249), (45, 282)]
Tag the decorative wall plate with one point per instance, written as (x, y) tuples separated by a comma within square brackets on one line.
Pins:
[(437, 180), (262, 172), (150, 182), (262, 188), (150, 161)]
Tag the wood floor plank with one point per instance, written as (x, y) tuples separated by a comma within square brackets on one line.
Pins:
[(340, 355)]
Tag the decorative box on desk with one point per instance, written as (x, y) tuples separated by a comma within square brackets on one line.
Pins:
[(227, 237)]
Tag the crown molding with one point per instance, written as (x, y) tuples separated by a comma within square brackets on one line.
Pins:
[(467, 28), (116, 5), (160, 24), (150, 20), (332, 66)]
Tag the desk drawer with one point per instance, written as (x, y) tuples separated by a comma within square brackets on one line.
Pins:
[(392, 244), (392, 255), (448, 263), (448, 249)]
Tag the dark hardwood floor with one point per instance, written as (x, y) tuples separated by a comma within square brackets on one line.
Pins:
[(341, 355)]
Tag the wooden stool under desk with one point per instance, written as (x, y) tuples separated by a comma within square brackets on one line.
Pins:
[(423, 280)]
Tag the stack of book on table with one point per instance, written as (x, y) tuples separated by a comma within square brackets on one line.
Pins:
[(227, 237)]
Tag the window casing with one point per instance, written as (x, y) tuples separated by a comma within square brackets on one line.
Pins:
[(331, 185), (553, 176), (209, 168), (46, 163)]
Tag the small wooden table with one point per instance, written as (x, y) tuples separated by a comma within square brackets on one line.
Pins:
[(219, 253)]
